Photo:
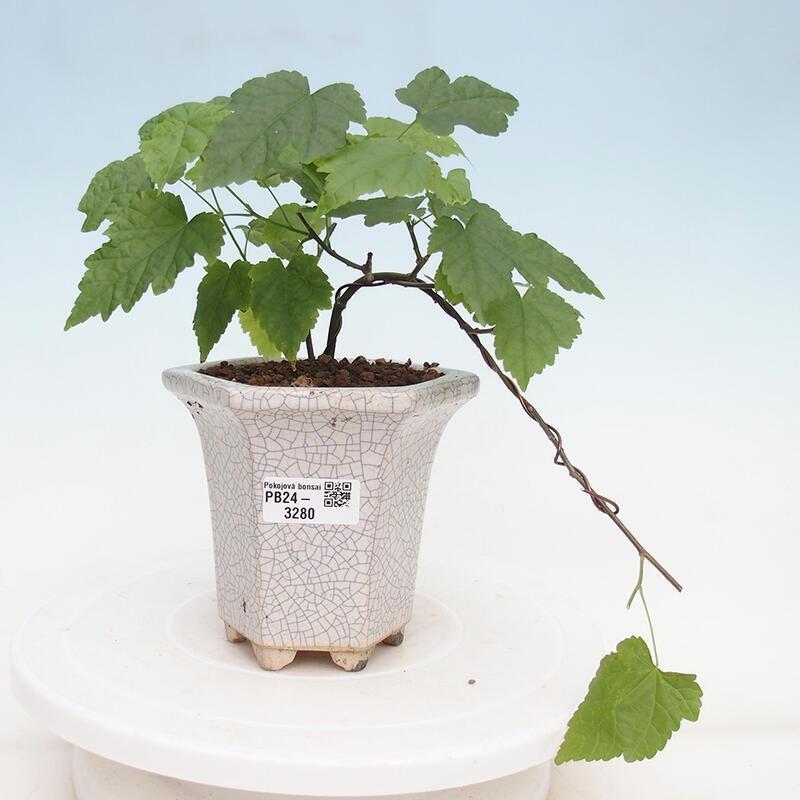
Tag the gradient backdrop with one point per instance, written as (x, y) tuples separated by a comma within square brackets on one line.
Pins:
[(656, 143)]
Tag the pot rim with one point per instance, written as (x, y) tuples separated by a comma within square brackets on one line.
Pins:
[(188, 383)]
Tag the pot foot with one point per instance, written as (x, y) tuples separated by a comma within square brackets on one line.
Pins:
[(352, 660), (276, 658), (272, 658), (232, 635), (396, 638)]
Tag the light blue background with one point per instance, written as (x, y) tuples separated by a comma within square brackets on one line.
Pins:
[(655, 143)]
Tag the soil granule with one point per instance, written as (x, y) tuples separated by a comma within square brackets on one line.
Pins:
[(324, 371)]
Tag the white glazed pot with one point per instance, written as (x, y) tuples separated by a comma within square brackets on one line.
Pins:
[(317, 499)]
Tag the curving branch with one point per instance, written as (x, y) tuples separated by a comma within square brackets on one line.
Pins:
[(325, 245), (412, 280), (603, 504)]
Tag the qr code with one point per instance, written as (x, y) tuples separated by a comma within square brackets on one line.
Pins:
[(337, 494)]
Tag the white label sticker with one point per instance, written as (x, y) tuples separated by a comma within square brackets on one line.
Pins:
[(305, 501)]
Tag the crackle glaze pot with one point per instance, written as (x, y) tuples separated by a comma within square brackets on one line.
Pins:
[(317, 498)]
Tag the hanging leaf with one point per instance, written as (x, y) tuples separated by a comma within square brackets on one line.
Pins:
[(258, 336), (540, 261), (632, 708), (287, 300), (222, 291), (112, 189), (477, 257), (150, 243), (529, 330)]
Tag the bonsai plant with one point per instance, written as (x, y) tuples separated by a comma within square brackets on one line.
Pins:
[(271, 174)]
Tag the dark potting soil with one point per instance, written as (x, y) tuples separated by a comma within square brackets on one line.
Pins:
[(324, 371)]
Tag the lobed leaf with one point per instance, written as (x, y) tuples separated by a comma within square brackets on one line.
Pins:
[(177, 136), (150, 242), (258, 336), (222, 291), (540, 261), (632, 708), (477, 256), (307, 177), (419, 139), (463, 211), (529, 330), (283, 225), (283, 231), (112, 189), (374, 164), (286, 301), (441, 285), (272, 114), (442, 104), (454, 189), (377, 210)]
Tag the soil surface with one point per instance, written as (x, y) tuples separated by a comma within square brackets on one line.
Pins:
[(324, 371)]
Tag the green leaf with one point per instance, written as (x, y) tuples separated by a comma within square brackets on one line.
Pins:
[(529, 330), (377, 210), (477, 257), (632, 708), (150, 242), (420, 140), (441, 285), (258, 336), (441, 105), (454, 189), (283, 225), (111, 189), (540, 261), (373, 164), (286, 301), (286, 250), (222, 291), (176, 137), (282, 231), (272, 114), (307, 177), (465, 212)]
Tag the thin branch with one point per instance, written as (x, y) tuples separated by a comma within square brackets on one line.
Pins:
[(228, 227), (191, 188), (639, 589), (601, 503), (247, 207), (421, 260), (326, 247), (411, 280)]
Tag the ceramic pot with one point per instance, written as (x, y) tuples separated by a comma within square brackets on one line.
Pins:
[(317, 498)]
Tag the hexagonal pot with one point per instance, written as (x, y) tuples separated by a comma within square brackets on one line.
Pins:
[(317, 498)]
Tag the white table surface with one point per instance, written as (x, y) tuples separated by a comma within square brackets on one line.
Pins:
[(136, 669), (712, 765), (703, 761)]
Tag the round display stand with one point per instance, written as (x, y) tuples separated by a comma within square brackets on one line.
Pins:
[(136, 673)]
